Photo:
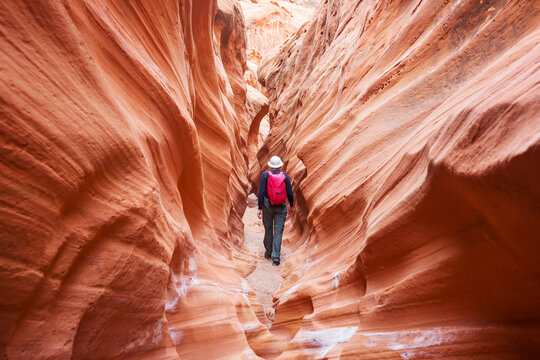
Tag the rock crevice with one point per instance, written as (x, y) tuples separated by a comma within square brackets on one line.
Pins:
[(132, 132), (404, 125)]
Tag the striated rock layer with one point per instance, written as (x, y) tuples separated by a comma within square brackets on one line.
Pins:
[(411, 130), (123, 153), (269, 23)]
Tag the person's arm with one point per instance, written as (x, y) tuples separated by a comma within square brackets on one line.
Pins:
[(289, 190), (262, 190)]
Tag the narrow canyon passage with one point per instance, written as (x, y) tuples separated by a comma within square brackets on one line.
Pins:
[(265, 279), (132, 133)]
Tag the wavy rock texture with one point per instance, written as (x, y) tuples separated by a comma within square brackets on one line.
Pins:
[(411, 131), (257, 106), (268, 24), (124, 174)]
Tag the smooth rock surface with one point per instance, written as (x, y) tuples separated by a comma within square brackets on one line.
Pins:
[(124, 176), (129, 141), (411, 131), (268, 24)]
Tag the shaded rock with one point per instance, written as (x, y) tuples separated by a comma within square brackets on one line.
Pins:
[(411, 133), (124, 177)]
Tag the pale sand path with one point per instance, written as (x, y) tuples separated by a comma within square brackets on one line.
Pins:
[(266, 279)]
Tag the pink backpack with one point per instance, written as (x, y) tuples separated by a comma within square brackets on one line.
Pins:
[(275, 188)]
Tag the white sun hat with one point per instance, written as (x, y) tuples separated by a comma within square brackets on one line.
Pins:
[(275, 162)]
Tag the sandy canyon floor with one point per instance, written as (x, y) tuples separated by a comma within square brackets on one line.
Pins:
[(266, 279)]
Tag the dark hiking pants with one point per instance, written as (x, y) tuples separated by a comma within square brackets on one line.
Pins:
[(274, 221)]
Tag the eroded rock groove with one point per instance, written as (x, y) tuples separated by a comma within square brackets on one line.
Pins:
[(133, 131)]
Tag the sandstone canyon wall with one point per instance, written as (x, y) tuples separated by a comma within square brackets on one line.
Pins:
[(123, 158), (411, 130), (268, 24)]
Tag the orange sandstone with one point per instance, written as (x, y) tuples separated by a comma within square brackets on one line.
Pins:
[(124, 164), (268, 24), (411, 130), (129, 139)]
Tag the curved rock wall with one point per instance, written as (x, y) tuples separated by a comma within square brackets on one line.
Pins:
[(411, 132), (269, 22), (124, 176)]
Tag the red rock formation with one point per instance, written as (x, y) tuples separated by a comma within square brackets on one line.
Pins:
[(124, 162), (411, 132), (268, 24)]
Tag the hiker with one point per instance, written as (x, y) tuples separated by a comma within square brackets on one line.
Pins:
[(275, 187)]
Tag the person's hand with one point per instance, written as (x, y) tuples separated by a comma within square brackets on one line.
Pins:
[(259, 214), (292, 210)]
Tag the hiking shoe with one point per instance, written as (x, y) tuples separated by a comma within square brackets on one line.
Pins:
[(275, 263), (266, 256)]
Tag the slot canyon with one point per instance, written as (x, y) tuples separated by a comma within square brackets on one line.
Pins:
[(133, 133)]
